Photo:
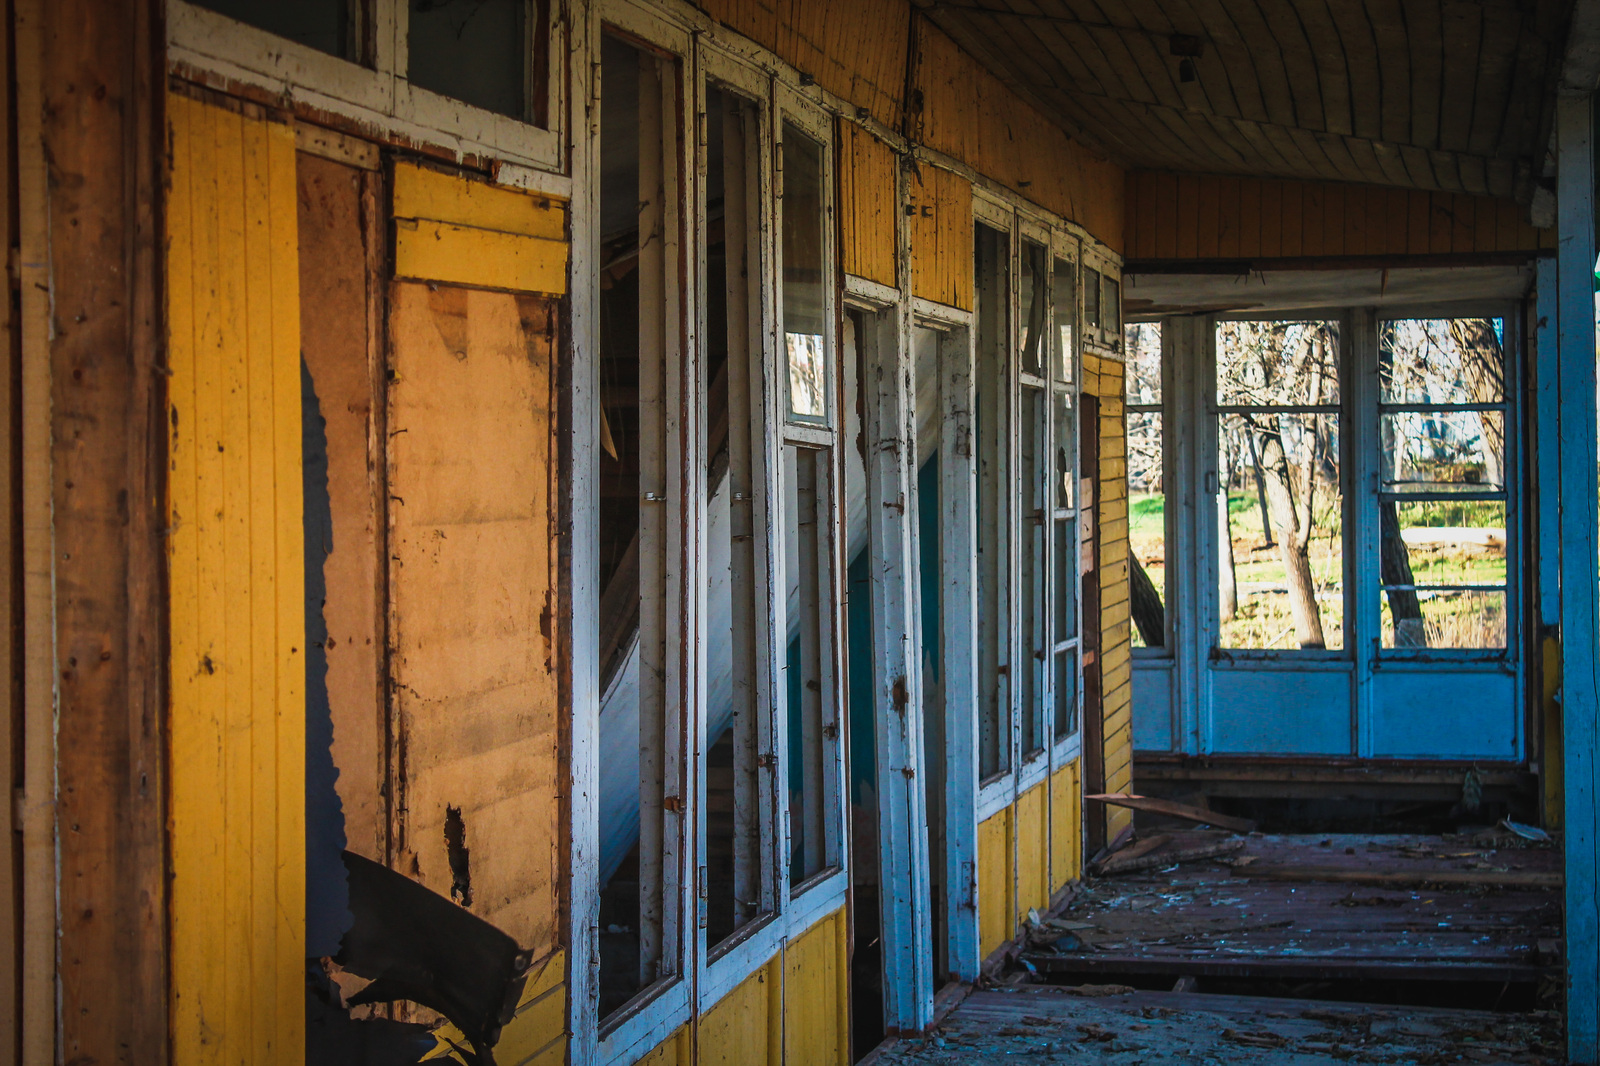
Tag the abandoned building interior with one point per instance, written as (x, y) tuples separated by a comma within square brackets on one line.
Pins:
[(801, 531)]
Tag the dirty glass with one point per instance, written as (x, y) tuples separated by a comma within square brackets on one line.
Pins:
[(1091, 298), (812, 716), (634, 505), (1062, 498), (992, 257), (1033, 299), (1147, 489), (1443, 523), (804, 308), (487, 53), (1033, 655), (326, 25), (735, 431), (1280, 495)]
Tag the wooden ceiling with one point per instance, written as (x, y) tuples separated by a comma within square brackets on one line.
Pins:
[(1451, 95)]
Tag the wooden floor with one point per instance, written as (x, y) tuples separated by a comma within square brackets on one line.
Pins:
[(1443, 908), (1283, 912), (1041, 1024)]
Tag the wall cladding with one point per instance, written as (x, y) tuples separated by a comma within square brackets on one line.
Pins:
[(1187, 216)]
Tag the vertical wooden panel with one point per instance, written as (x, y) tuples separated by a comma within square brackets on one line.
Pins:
[(1209, 209), (472, 612), (673, 1051), (236, 588), (1463, 222), (1336, 220), (866, 204), (1313, 206), (815, 1028), (941, 237), (1033, 850), (1398, 215), (736, 1032), (1292, 231), (1188, 222), (1228, 222), (1115, 643), (1419, 210), (1066, 826), (1272, 219), (1167, 217), (996, 883)]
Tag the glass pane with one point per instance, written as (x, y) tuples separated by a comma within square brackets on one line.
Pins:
[(1443, 451), (1066, 449), (734, 434), (1281, 565), (1033, 653), (1066, 571), (1066, 311), (803, 307), (1091, 298), (1277, 363), (1442, 360), (321, 24), (992, 255), (809, 656), (1142, 384), (1435, 619), (1111, 312), (1032, 290), (1147, 529), (1066, 693), (475, 51), (634, 521)]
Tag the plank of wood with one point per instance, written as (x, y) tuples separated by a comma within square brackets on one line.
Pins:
[(1173, 851), (1133, 850), (1345, 875), (1174, 809)]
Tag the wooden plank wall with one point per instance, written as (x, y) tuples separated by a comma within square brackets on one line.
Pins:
[(1103, 377), (93, 810), (1066, 825), (856, 49), (969, 114), (1187, 216), (235, 559), (1033, 851), (996, 882), (867, 200), (941, 237)]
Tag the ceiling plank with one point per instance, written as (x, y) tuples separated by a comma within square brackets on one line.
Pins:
[(1393, 51), (1462, 39)]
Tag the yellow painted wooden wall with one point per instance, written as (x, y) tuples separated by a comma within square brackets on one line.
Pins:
[(236, 573), (867, 199), (855, 49), (793, 1011), (1188, 216), (971, 115), (1103, 378), (941, 237), (1027, 853)]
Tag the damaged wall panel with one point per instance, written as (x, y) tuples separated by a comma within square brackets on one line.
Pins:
[(1116, 647), (337, 343), (472, 598)]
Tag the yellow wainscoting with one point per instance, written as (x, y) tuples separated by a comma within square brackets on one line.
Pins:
[(1066, 825), (237, 588), (996, 883), (745, 1028), (454, 229), (1032, 820), (816, 995), (674, 1051)]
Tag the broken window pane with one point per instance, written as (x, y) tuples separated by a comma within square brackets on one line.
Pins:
[(1281, 565), (992, 259), (1443, 451), (804, 308), (1443, 568), (1066, 693), (1066, 357), (478, 52), (812, 716), (1111, 310), (735, 432), (1442, 361), (1147, 528), (1032, 290), (635, 509), (326, 25), (1091, 298), (1033, 653)]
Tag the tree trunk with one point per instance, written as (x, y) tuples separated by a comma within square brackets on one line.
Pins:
[(1227, 576), (1149, 614), (1293, 549), (1395, 569)]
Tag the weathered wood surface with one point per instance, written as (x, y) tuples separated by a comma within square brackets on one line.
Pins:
[(1439, 94), (98, 124), (1173, 809)]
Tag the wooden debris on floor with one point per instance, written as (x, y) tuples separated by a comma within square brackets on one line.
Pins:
[(1041, 1024), (1160, 850), (1173, 809)]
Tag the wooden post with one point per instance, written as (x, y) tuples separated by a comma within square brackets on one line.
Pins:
[(1580, 679), (94, 112)]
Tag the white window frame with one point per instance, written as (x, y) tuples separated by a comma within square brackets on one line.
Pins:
[(375, 92), (1066, 749)]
